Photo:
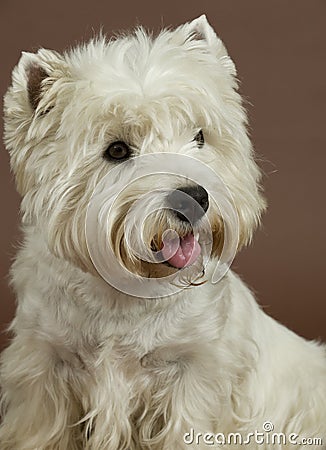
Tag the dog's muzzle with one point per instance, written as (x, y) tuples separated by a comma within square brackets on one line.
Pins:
[(189, 204)]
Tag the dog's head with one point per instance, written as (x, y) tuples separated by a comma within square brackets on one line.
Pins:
[(73, 120)]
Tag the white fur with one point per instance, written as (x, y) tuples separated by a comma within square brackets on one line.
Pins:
[(92, 368)]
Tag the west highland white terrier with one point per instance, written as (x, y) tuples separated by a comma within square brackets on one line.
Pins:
[(138, 185)]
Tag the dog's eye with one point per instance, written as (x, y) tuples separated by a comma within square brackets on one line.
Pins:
[(117, 150), (199, 138)]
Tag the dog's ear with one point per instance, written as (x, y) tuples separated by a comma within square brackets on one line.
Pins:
[(200, 29), (33, 78), (36, 75), (37, 81)]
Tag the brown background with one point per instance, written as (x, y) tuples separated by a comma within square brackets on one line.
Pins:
[(279, 47)]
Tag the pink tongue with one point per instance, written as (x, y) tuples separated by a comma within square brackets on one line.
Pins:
[(181, 255)]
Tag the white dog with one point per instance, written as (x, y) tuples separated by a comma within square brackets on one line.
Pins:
[(122, 341)]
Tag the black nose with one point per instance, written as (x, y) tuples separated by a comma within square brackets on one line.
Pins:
[(184, 206)]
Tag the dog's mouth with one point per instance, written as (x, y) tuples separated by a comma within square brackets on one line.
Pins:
[(178, 252)]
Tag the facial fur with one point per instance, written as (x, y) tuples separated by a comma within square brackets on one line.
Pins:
[(154, 94)]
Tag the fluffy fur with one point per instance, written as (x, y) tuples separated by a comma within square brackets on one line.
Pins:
[(95, 369)]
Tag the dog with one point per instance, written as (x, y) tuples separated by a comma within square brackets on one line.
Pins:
[(139, 184)]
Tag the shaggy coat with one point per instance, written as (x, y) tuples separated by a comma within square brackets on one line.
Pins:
[(93, 368)]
